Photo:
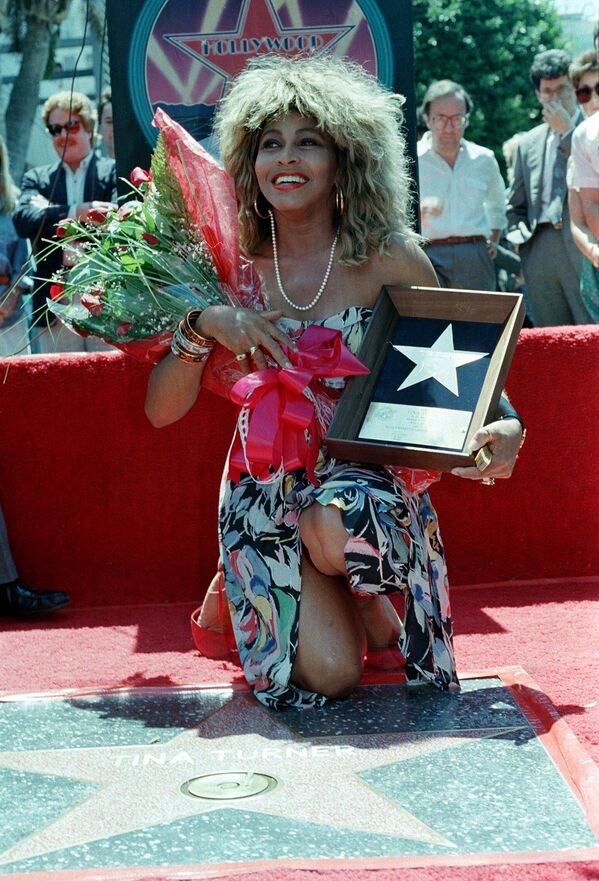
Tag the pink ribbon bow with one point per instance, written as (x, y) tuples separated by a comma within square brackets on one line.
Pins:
[(282, 428)]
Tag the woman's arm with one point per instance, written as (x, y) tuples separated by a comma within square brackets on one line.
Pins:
[(584, 239), (172, 390), (503, 437), (175, 384)]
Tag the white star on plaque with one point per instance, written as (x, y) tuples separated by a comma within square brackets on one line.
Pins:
[(139, 786), (439, 361)]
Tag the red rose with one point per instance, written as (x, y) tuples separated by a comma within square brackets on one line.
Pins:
[(150, 239), (124, 328), (64, 228), (56, 291), (96, 215), (92, 303), (138, 177)]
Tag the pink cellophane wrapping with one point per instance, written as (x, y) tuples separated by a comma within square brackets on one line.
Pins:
[(209, 194)]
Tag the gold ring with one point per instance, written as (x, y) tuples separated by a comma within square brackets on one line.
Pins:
[(241, 357), (488, 481), (483, 458), (252, 350)]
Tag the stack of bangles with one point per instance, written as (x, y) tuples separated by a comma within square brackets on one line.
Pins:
[(187, 344)]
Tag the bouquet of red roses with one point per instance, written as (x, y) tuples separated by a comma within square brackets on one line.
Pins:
[(139, 268)]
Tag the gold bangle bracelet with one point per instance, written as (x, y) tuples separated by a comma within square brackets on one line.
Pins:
[(187, 356), (183, 342), (190, 359), (188, 330)]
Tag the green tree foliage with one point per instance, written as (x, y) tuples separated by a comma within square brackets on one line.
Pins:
[(487, 46)]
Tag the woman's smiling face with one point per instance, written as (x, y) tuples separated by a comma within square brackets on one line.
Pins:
[(296, 164)]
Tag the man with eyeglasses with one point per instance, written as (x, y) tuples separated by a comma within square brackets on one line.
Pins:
[(538, 220), (462, 194), (79, 182)]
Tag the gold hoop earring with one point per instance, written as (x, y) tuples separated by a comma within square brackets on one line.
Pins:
[(255, 207), (339, 200)]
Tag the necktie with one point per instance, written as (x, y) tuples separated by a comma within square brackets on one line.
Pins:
[(558, 188)]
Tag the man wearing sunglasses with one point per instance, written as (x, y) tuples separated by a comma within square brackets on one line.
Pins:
[(79, 181), (538, 219)]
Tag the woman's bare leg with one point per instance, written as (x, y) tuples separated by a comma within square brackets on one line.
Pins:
[(325, 537), (332, 640), (209, 618), (381, 621)]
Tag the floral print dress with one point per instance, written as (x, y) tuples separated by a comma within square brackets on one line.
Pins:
[(394, 546)]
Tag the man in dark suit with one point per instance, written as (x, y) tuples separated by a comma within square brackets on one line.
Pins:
[(79, 182), (537, 211)]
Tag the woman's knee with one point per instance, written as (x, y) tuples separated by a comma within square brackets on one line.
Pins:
[(324, 535), (331, 639), (333, 676)]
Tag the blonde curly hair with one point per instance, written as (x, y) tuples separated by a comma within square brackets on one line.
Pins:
[(72, 102), (364, 122)]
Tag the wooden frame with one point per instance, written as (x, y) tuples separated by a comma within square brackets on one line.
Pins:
[(501, 315)]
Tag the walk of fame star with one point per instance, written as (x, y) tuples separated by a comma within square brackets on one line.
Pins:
[(139, 787), (439, 361)]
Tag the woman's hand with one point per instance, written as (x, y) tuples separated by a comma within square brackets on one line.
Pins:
[(503, 439), (246, 332), (8, 304)]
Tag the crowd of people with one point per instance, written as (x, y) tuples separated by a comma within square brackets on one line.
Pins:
[(539, 236), (302, 141)]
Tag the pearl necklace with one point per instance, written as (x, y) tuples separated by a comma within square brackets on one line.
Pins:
[(275, 257)]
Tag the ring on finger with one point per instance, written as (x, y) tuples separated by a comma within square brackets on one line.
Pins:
[(241, 357), (483, 458), (488, 481)]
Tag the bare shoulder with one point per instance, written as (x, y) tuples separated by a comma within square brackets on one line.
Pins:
[(405, 263)]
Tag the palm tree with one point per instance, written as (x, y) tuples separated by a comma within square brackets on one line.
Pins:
[(41, 16)]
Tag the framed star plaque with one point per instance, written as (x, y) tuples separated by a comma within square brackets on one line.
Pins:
[(438, 361)]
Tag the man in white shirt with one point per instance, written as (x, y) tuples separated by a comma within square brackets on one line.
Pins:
[(78, 182), (462, 194), (538, 220)]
